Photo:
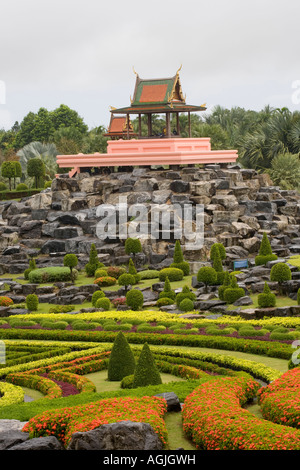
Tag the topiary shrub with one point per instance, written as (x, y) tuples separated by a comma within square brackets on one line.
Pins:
[(105, 281), (32, 302), (115, 271), (186, 305), (71, 261), (52, 274), (127, 382), (5, 301), (32, 266), (232, 294), (98, 294), (280, 272), (167, 291), (126, 280), (225, 285), (265, 253), (207, 275), (100, 273), (93, 263), (135, 299), (174, 274), (220, 248), (178, 260), (149, 274), (163, 301), (266, 298), (104, 303), (185, 294), (132, 246), (132, 270), (3, 187), (121, 360), (22, 187), (146, 371)]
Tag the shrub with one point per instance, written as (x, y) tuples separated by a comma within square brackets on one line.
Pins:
[(105, 281), (232, 294), (298, 297), (22, 187), (220, 248), (280, 272), (266, 298), (104, 303), (32, 266), (167, 291), (174, 274), (8, 171), (135, 299), (217, 264), (127, 382), (207, 275), (98, 294), (36, 168), (52, 274), (126, 280), (3, 187), (185, 294), (132, 246), (149, 274), (119, 301), (115, 271), (93, 263), (146, 371), (225, 285), (162, 301), (47, 184), (121, 361), (100, 273), (186, 305), (61, 308), (5, 301), (71, 261), (265, 253), (184, 266), (178, 260), (32, 302)]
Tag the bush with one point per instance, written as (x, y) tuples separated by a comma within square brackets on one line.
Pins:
[(178, 260), (149, 274), (22, 187), (5, 301), (186, 305), (52, 274), (121, 361), (261, 259), (32, 302), (47, 184), (162, 301), (98, 294), (174, 274), (266, 298), (127, 382), (280, 272), (104, 303), (61, 308), (126, 280), (132, 246), (100, 273), (134, 299), (220, 248), (115, 271), (93, 263), (265, 253), (184, 266), (3, 187), (232, 294), (71, 261), (105, 281), (167, 291), (185, 294), (207, 275), (225, 285), (146, 371)]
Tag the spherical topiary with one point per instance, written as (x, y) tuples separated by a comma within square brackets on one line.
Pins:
[(185, 294), (100, 273), (207, 275), (146, 371), (32, 302), (135, 299), (126, 280), (280, 272), (232, 294), (3, 187), (266, 298), (127, 382), (22, 187), (132, 246), (98, 294), (105, 281), (115, 271), (121, 361), (174, 274), (162, 301), (167, 291), (71, 261), (104, 303), (186, 305)]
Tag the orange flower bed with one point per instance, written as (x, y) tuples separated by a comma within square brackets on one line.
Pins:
[(215, 420), (63, 422)]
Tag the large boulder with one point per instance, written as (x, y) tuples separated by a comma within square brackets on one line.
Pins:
[(124, 435)]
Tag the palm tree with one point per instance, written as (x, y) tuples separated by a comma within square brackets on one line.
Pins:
[(45, 151)]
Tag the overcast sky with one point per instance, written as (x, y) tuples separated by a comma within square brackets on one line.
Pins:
[(82, 52)]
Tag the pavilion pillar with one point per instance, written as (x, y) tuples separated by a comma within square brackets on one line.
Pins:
[(127, 126), (168, 125), (140, 125), (189, 120), (149, 124), (177, 123)]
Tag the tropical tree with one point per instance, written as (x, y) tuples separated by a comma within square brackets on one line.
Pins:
[(36, 168), (46, 152), (285, 170)]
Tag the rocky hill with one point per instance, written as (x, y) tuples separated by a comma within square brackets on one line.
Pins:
[(239, 205)]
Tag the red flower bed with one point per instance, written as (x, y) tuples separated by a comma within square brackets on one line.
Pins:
[(280, 400), (63, 422), (5, 301), (214, 419)]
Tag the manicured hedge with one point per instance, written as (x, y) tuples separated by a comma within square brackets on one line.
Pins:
[(52, 274)]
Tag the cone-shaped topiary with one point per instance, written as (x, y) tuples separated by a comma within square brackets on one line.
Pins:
[(178, 260), (94, 262), (217, 265), (266, 298), (220, 247), (132, 270), (225, 285), (265, 253), (167, 292), (121, 361), (146, 372)]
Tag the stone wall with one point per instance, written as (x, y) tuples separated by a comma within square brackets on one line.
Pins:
[(239, 205)]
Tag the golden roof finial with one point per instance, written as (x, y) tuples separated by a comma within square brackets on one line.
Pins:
[(179, 69), (134, 71)]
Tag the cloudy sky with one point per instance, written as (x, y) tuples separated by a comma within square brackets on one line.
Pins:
[(82, 52)]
